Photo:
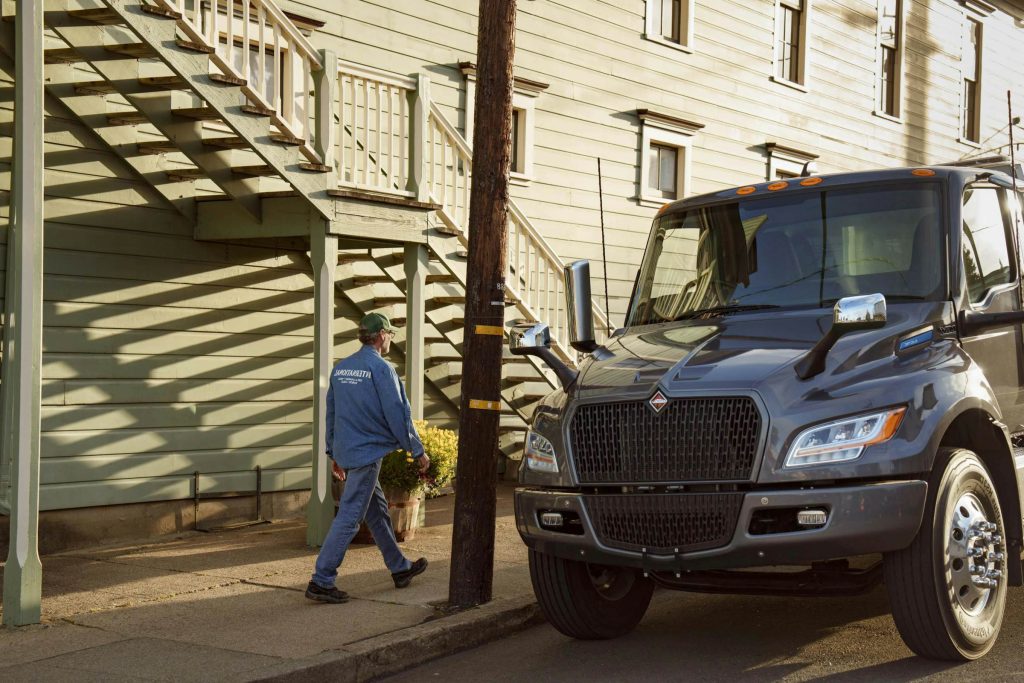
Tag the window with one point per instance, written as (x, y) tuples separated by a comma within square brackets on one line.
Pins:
[(986, 252), (524, 99), (787, 162), (970, 108), (665, 150), (890, 57), (791, 41), (670, 22)]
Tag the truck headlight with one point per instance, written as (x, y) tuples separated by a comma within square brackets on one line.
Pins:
[(843, 440), (539, 453)]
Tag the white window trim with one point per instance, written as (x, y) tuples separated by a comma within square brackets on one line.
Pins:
[(805, 53), (786, 159), (673, 132), (685, 43), (977, 14), (901, 32), (524, 98)]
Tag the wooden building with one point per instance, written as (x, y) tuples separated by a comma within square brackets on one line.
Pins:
[(230, 185)]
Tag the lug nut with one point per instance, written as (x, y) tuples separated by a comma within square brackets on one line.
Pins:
[(995, 557), (983, 582), (994, 574), (995, 539), (975, 552), (978, 570)]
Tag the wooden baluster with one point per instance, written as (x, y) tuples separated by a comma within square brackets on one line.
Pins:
[(288, 91), (444, 176), (307, 115), (261, 53), (380, 179), (433, 159), (353, 166), (366, 131), (467, 167), (214, 41), (397, 176), (245, 40), (403, 146), (276, 72), (229, 52), (340, 153)]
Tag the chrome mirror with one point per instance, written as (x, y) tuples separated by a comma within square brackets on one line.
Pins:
[(859, 312), (580, 307), (523, 334)]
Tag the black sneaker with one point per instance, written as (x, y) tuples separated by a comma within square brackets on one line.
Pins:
[(321, 594), (402, 579)]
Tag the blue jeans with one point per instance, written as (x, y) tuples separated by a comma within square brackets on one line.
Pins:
[(361, 499)]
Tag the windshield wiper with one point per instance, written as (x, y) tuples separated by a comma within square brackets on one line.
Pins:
[(723, 310)]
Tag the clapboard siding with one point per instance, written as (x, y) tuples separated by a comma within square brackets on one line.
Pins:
[(600, 70)]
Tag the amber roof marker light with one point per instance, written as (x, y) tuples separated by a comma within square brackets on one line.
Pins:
[(808, 182), (775, 187), (924, 172), (749, 189)]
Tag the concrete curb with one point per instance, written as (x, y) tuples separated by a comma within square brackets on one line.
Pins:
[(393, 652)]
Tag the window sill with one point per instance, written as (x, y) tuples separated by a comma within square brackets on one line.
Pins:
[(519, 179), (968, 143), (668, 43), (653, 202), (789, 84), (887, 117)]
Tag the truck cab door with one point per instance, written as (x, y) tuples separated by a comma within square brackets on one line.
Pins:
[(990, 263)]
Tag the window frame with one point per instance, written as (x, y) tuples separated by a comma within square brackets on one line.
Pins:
[(524, 100), (787, 160), (805, 7), (686, 14), (666, 131), (899, 49), (979, 70)]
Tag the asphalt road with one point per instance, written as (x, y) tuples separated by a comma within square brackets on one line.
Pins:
[(689, 636)]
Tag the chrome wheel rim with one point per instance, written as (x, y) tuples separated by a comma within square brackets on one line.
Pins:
[(974, 557)]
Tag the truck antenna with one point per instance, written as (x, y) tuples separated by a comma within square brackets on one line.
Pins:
[(1013, 161), (604, 253)]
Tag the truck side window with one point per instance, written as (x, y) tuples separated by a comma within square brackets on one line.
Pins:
[(986, 252)]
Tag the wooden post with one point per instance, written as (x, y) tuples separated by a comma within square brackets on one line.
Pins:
[(418, 140), (416, 264), (23, 331), (480, 410), (324, 82), (323, 249)]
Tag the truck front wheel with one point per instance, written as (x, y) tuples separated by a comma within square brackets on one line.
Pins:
[(587, 601), (948, 588)]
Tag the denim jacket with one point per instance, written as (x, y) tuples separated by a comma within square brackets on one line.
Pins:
[(368, 413)]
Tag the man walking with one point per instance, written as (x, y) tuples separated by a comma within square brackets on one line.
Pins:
[(368, 416)]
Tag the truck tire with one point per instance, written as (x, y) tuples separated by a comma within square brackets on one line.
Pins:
[(947, 589), (589, 602)]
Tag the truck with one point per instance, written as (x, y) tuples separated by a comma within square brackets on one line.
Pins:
[(819, 386)]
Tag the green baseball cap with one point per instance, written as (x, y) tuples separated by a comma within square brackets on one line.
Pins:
[(372, 323)]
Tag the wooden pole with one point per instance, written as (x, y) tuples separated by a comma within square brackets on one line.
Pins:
[(23, 332), (480, 410)]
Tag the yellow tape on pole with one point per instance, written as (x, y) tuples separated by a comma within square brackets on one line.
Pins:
[(478, 404), (493, 330)]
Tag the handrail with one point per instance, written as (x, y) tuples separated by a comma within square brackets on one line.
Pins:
[(244, 34), (534, 270)]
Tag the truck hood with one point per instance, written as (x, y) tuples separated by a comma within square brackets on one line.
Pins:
[(741, 351)]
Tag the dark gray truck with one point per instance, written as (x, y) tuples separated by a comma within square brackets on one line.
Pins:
[(819, 385)]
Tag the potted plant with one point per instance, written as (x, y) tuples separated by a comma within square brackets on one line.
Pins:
[(403, 484)]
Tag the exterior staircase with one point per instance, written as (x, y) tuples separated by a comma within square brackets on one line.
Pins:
[(225, 106)]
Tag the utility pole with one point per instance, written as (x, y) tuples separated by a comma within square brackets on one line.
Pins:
[(480, 411)]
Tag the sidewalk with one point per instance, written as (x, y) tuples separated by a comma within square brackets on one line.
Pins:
[(230, 606)]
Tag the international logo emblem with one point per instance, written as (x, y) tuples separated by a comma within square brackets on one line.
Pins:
[(658, 401)]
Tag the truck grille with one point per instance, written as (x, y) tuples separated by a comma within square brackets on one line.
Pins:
[(693, 439), (663, 522)]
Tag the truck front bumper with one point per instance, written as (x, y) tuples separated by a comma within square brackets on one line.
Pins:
[(865, 519)]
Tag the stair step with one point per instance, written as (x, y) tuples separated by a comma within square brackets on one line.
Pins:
[(255, 110), (198, 113), (193, 46), (229, 142), (125, 118), (447, 229), (449, 299), (257, 170), (315, 168), (184, 174), (61, 55), (363, 280), (156, 147), (99, 15), (286, 139), (388, 300), (136, 50), (94, 88), (228, 80), (163, 82), (352, 257), (161, 12), (441, 278)]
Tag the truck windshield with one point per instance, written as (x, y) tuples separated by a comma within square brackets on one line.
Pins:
[(803, 249)]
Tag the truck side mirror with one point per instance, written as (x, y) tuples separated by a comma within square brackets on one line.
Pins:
[(850, 314), (526, 338), (581, 312)]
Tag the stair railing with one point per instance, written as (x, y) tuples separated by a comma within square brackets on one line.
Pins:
[(253, 40), (534, 272)]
